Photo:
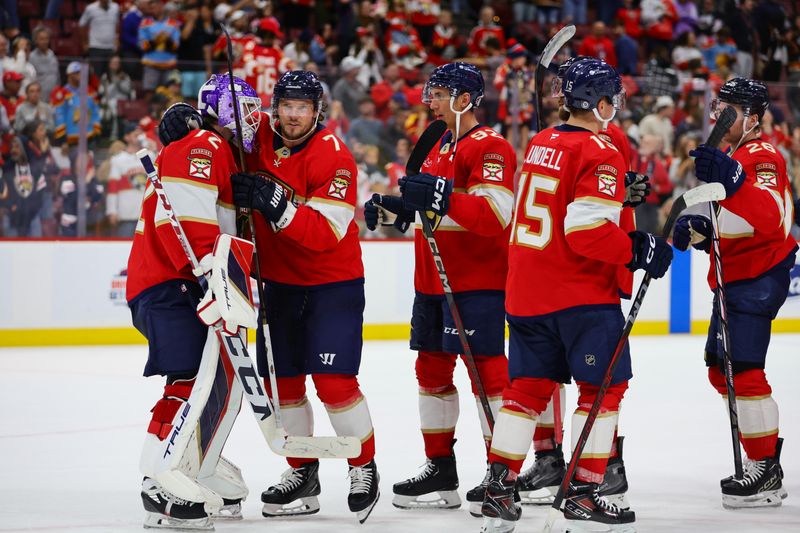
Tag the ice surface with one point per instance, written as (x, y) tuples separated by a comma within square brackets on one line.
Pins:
[(72, 421)]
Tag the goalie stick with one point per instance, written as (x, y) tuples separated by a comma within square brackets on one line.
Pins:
[(553, 46), (424, 145), (711, 192), (235, 350)]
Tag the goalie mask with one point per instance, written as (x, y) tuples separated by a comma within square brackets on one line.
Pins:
[(215, 101)]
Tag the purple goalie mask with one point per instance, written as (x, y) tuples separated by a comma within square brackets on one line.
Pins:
[(214, 101)]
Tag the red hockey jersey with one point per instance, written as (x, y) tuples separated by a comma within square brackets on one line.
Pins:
[(566, 243), (320, 245), (195, 172), (755, 222), (473, 236), (261, 67)]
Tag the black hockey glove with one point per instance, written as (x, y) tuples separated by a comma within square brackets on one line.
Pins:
[(177, 121), (712, 165), (651, 253), (426, 192), (261, 193), (387, 211), (694, 230), (637, 187)]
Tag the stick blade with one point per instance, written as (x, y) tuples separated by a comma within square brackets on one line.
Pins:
[(559, 39), (426, 142), (710, 192), (321, 447)]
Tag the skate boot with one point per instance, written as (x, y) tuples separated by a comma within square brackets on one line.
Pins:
[(476, 496), (165, 510), (364, 491), (587, 511), (231, 510), (433, 488), (538, 485), (615, 483), (295, 494), (761, 485), (500, 511)]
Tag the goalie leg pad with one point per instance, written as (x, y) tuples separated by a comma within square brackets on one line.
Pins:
[(593, 460), (175, 396), (438, 401), (348, 411)]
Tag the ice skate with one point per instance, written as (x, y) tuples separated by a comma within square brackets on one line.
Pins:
[(231, 510), (364, 491), (436, 487), (761, 485), (500, 512), (538, 485), (165, 510), (476, 496), (295, 494), (586, 510), (615, 482)]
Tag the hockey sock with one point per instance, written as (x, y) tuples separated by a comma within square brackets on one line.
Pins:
[(296, 413), (593, 460), (493, 373), (614, 451), (438, 402), (523, 400), (544, 438), (175, 394), (758, 412), (348, 411)]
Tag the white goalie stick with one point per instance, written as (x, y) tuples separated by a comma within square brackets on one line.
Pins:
[(710, 192), (553, 46), (234, 348)]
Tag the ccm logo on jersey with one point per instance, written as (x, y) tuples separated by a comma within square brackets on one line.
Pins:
[(767, 174), (454, 331), (606, 180), (339, 185)]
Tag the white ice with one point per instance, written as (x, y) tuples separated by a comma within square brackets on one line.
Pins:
[(72, 421)]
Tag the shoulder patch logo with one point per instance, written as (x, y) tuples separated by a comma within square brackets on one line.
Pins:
[(338, 188), (606, 180), (767, 174), (199, 167), (493, 171)]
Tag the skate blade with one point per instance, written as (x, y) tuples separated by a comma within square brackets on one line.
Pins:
[(587, 526), (443, 499), (543, 496), (497, 525), (229, 512), (299, 507), (475, 509), (770, 498), (363, 514), (160, 521)]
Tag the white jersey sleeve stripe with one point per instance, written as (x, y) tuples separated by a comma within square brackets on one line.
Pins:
[(338, 214), (190, 201), (586, 213), (500, 200)]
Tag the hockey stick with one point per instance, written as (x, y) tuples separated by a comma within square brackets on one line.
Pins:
[(262, 299), (553, 46), (727, 117), (424, 145), (235, 349), (710, 192)]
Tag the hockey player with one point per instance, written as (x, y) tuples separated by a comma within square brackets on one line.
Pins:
[(303, 191), (162, 293), (540, 482), (566, 233), (477, 164), (758, 253)]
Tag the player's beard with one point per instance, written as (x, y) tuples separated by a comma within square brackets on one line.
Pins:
[(295, 132)]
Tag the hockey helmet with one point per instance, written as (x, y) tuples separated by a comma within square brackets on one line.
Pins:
[(215, 101), (562, 69), (458, 78), (589, 81), (751, 95)]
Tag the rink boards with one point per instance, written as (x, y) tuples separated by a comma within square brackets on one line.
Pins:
[(73, 292)]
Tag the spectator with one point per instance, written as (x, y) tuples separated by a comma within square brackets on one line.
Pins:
[(34, 109), (348, 90), (10, 98), (485, 29), (709, 20), (366, 50), (262, 64), (648, 161), (403, 44), (793, 71), (41, 158), (66, 104), (599, 45), (626, 50), (337, 120), (170, 93), (722, 52), (573, 11), (159, 38), (198, 35), (296, 52), (514, 82), (631, 17), (44, 61), (658, 18), (68, 223), (446, 40), (424, 15), (24, 186), (323, 46), (686, 11), (681, 169), (659, 123), (130, 52), (684, 52), (18, 62), (383, 93), (366, 129), (743, 31), (126, 184), (115, 86), (100, 27)]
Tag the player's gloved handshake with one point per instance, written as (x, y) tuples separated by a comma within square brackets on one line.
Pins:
[(650, 253), (694, 230), (387, 210), (426, 192), (712, 165), (177, 121), (637, 187), (257, 192)]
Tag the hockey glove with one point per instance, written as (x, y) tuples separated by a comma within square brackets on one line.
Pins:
[(650, 253), (694, 230), (387, 211), (177, 121), (257, 192), (425, 192), (712, 165), (637, 187)]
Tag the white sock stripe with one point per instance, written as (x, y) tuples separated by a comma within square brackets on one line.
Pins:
[(513, 433), (355, 421), (438, 412), (298, 418), (600, 437), (757, 417), (494, 404)]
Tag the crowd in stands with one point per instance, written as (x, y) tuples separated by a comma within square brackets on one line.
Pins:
[(136, 57)]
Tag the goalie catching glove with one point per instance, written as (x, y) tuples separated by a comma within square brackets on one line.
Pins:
[(228, 302)]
